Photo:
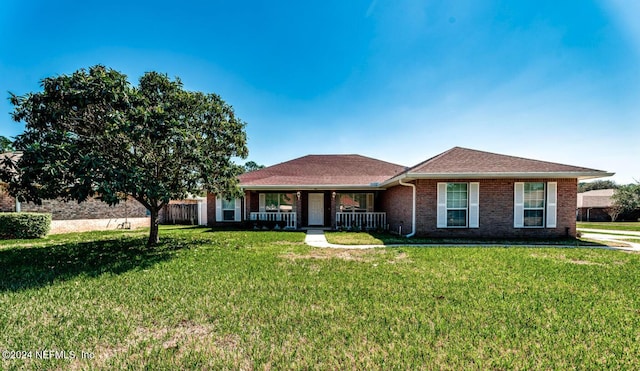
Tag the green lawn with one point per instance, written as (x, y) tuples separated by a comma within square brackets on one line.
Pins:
[(619, 226), (375, 238), (264, 300)]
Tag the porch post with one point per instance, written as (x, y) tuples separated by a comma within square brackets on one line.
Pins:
[(333, 210), (298, 209)]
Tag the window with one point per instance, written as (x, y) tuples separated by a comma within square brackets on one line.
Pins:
[(278, 202), (458, 205), (229, 210), (354, 202), (535, 204)]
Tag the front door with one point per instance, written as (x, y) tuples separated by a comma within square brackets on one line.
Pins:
[(316, 209)]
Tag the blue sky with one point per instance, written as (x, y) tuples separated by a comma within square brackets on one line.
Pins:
[(396, 80)]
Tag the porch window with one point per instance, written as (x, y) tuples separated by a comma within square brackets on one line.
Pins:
[(354, 202), (278, 202)]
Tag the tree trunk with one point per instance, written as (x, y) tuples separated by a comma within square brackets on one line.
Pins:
[(153, 230)]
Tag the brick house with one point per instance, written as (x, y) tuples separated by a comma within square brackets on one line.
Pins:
[(458, 193), (592, 205), (73, 216)]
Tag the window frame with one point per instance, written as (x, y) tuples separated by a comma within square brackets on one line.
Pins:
[(263, 202), (232, 202), (542, 208), (368, 196), (457, 208)]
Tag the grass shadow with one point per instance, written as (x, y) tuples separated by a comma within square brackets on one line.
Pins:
[(33, 267)]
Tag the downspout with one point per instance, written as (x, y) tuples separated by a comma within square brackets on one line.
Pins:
[(413, 211)]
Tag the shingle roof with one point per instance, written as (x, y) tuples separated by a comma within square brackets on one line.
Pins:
[(596, 198), (468, 161), (314, 170)]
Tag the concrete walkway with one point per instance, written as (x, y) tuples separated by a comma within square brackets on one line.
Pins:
[(618, 237), (316, 238)]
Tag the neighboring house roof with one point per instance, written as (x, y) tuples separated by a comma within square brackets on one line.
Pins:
[(468, 163), (596, 198), (322, 171)]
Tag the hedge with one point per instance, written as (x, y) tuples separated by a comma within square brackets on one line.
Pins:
[(24, 225)]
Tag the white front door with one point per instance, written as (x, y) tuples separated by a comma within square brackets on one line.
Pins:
[(316, 209)]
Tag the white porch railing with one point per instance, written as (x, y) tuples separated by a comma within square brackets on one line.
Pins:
[(289, 219), (367, 220)]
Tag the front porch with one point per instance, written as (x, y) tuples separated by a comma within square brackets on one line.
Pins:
[(348, 210)]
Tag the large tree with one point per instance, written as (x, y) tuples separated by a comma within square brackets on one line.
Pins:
[(93, 133)]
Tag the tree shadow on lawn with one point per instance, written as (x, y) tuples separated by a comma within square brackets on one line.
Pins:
[(24, 268)]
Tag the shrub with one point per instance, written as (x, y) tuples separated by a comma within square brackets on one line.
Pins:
[(24, 225)]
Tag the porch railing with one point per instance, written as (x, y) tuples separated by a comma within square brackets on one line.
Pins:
[(289, 219), (366, 220)]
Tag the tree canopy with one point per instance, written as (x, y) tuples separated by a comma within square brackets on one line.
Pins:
[(5, 144), (597, 184), (626, 199), (252, 166), (93, 133)]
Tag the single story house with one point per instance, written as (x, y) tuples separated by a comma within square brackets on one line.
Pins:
[(458, 193), (592, 205), (71, 216)]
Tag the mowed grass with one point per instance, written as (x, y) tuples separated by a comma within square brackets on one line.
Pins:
[(264, 300), (385, 238), (617, 226)]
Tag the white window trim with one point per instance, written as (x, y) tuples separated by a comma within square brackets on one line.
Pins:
[(472, 209), (237, 211), (550, 208)]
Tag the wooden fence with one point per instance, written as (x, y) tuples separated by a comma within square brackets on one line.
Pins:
[(179, 214)]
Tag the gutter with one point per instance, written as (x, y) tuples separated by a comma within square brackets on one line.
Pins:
[(413, 210)]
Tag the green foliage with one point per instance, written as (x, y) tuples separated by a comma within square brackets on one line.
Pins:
[(627, 198), (597, 184), (5, 144), (92, 133), (24, 225), (252, 166), (256, 300)]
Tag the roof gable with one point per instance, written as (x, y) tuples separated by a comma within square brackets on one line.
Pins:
[(323, 170)]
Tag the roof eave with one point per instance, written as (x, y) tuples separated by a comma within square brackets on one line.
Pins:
[(581, 175), (310, 187)]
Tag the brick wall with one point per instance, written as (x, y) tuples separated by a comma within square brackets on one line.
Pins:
[(90, 209), (211, 209), (496, 210), (7, 203), (397, 203)]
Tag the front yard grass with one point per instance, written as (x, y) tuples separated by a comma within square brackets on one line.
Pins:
[(375, 238), (258, 300)]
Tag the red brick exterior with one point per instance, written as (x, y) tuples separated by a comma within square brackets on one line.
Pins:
[(89, 209), (496, 210), (211, 209), (7, 203)]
